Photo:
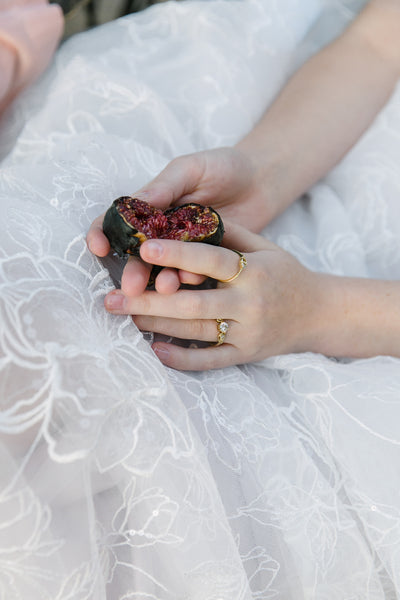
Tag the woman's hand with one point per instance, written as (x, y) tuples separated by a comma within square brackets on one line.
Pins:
[(224, 178), (269, 306)]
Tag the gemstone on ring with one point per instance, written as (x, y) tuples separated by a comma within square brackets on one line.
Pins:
[(222, 328)]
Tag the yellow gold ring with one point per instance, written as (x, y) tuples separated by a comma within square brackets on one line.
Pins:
[(242, 265), (222, 330)]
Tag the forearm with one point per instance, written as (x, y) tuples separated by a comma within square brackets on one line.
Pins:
[(355, 317), (326, 106)]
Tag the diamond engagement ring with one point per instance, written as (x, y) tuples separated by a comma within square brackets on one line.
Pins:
[(242, 265), (222, 328)]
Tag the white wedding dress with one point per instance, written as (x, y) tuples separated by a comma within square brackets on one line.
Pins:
[(121, 479)]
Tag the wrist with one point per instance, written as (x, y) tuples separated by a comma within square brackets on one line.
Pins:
[(355, 317), (269, 163)]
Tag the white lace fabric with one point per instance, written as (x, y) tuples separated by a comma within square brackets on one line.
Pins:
[(122, 479)]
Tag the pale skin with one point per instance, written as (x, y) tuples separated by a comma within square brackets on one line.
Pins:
[(276, 305), (30, 31)]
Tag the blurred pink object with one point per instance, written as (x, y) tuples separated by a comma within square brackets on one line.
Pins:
[(30, 31)]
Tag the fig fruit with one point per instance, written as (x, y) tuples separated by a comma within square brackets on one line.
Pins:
[(130, 221)]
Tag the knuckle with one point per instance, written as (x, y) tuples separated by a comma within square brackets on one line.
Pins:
[(188, 162), (258, 307), (253, 305), (144, 307), (176, 162), (199, 329), (218, 262), (191, 305)]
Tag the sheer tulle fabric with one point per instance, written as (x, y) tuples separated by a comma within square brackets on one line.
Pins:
[(123, 479)]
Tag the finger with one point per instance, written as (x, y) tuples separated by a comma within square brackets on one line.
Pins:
[(188, 304), (204, 330), (242, 239), (167, 281), (190, 278), (96, 240), (135, 277), (203, 259), (178, 178), (197, 359)]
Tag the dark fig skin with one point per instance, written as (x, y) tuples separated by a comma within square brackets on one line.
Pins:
[(120, 234), (126, 238)]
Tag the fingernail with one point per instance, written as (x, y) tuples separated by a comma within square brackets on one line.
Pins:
[(153, 249), (161, 352), (114, 301)]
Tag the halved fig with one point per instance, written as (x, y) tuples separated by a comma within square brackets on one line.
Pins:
[(130, 221)]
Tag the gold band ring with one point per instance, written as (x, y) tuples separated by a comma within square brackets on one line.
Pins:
[(222, 330), (242, 265)]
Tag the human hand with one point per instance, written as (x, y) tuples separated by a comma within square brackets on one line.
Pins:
[(31, 30), (223, 178), (270, 307)]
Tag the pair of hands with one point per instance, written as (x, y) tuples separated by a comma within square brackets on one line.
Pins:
[(30, 31), (267, 307)]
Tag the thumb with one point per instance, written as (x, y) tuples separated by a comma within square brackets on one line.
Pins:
[(175, 183)]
